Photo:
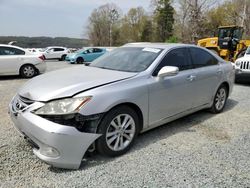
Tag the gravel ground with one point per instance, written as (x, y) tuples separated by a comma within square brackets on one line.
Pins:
[(200, 150)]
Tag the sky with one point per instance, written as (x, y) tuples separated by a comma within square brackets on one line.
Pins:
[(54, 18)]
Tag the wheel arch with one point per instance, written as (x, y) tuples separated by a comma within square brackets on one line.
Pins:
[(64, 55), (136, 108), (25, 65), (226, 84)]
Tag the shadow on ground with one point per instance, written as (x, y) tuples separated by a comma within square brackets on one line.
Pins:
[(5, 78)]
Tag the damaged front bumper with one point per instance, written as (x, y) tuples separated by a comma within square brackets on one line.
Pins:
[(59, 145)]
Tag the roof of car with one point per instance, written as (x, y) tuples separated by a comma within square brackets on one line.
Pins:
[(158, 45), (56, 47), (11, 46)]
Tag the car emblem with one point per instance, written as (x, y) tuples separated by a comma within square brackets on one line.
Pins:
[(19, 105)]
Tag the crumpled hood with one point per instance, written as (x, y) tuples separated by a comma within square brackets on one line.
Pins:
[(69, 81)]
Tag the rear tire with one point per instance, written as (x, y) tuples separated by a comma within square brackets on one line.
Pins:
[(220, 100), (63, 57), (79, 60), (28, 71), (119, 128)]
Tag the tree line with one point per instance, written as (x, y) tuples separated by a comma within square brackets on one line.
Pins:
[(43, 42), (166, 21)]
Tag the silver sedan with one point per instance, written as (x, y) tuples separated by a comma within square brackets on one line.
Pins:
[(104, 106)]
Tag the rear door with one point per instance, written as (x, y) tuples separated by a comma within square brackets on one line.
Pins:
[(208, 73), (89, 55), (10, 60), (58, 52), (97, 53)]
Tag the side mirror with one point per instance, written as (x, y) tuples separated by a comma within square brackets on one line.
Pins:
[(168, 71)]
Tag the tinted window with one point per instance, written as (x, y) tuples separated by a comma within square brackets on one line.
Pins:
[(178, 58), (89, 51), (96, 50), (201, 58), (58, 49), (11, 51)]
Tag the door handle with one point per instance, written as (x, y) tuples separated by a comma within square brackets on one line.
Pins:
[(191, 78), (219, 71)]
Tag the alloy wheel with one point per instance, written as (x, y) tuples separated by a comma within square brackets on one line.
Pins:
[(120, 132), (28, 71), (220, 99)]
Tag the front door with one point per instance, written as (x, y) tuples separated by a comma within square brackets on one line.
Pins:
[(170, 96)]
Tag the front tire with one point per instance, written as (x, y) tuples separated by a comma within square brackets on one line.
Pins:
[(220, 100), (119, 129), (28, 71), (79, 60)]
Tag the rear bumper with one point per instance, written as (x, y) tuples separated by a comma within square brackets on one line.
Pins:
[(41, 67), (58, 145)]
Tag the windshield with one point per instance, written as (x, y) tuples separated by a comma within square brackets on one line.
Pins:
[(128, 59), (79, 51), (44, 49), (225, 33), (230, 32)]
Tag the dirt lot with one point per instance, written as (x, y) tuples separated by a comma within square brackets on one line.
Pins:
[(201, 150)]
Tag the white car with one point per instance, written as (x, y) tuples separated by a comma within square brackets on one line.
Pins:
[(56, 52), (242, 66), (18, 61), (35, 50)]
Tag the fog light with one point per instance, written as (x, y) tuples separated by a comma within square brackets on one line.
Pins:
[(49, 151)]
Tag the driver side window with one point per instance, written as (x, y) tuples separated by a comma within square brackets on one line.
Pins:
[(178, 58)]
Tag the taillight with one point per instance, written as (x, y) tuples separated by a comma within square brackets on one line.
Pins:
[(42, 57)]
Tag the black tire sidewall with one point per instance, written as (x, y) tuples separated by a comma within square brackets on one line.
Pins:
[(79, 60), (63, 57), (101, 144)]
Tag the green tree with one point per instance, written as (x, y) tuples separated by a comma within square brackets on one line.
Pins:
[(133, 25), (147, 31), (164, 20)]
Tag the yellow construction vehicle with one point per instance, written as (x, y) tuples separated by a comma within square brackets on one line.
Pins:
[(228, 44)]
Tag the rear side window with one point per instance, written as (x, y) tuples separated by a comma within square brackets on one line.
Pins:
[(178, 58), (97, 50), (11, 51), (201, 58)]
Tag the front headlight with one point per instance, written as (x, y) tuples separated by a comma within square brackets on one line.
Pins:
[(63, 106), (237, 63)]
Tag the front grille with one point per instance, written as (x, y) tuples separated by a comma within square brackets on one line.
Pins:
[(20, 103), (245, 65)]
